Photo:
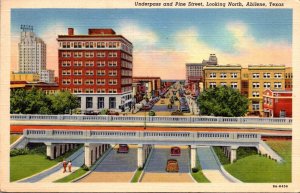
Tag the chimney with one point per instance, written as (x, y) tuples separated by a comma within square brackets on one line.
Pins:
[(70, 31)]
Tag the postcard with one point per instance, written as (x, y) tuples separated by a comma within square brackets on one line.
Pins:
[(149, 96)]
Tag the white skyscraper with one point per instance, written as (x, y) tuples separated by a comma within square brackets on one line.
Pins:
[(32, 52)]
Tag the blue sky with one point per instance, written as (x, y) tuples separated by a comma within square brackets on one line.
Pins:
[(170, 30)]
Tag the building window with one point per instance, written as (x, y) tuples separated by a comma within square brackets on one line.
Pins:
[(112, 54), (89, 54), (100, 63), (66, 81), (77, 44), (277, 75), (89, 82), (66, 72), (267, 75), (267, 84), (89, 72), (77, 72), (112, 91), (101, 81), (101, 54), (112, 73), (112, 63), (255, 106), (223, 84), (89, 63), (112, 102), (100, 44), (212, 85), (89, 44), (100, 72), (101, 90), (77, 63), (77, 54), (89, 102), (77, 81), (234, 85), (255, 75), (255, 85), (277, 85), (113, 82), (89, 90), (234, 75), (223, 75), (100, 102), (212, 75), (66, 54), (77, 90), (255, 94), (66, 63)]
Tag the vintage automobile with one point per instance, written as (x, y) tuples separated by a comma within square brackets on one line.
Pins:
[(175, 151), (91, 113), (123, 148), (172, 165)]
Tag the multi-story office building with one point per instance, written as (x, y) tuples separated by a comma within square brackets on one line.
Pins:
[(263, 77), (251, 81), (32, 52), (97, 68), (223, 75), (24, 77), (47, 76)]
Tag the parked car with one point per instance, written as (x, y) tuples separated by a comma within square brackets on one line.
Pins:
[(91, 113), (172, 165), (123, 148), (177, 113), (147, 107), (112, 113)]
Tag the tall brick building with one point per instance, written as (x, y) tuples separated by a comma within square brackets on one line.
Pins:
[(97, 68)]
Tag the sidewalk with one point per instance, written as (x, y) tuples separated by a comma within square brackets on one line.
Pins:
[(210, 167), (56, 172)]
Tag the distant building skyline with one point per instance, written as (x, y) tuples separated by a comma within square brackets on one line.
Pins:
[(163, 46)]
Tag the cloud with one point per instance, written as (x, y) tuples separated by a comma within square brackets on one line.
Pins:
[(248, 50), (138, 35)]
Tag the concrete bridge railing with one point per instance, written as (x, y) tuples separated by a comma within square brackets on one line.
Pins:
[(142, 135), (155, 119)]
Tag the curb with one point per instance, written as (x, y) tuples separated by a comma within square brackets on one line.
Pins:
[(146, 164), (94, 165)]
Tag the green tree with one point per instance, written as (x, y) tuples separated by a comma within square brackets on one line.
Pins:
[(63, 102), (33, 101), (222, 101)]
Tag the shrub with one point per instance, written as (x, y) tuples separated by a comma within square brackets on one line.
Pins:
[(16, 152), (195, 170), (140, 168), (169, 106), (84, 167), (152, 113), (104, 112)]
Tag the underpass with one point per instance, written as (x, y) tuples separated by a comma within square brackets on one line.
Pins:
[(115, 167), (155, 170)]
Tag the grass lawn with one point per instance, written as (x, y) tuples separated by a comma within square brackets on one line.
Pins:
[(73, 176), (136, 175), (199, 176), (14, 137), (23, 166), (257, 168)]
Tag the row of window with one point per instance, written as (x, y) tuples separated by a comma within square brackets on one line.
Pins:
[(126, 72), (90, 72), (101, 102), (67, 63), (91, 90), (89, 54), (90, 81), (126, 56), (223, 75), (214, 84), (89, 44), (267, 85)]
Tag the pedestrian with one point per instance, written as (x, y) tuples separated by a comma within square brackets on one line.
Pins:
[(70, 166), (64, 166)]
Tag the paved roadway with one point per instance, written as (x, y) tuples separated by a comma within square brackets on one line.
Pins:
[(209, 164), (116, 167), (155, 170)]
